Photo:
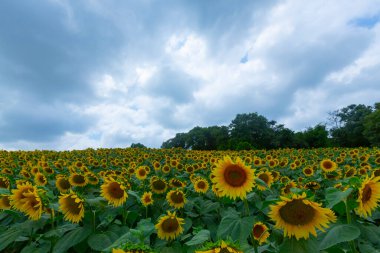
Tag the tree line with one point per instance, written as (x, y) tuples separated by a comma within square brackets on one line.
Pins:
[(351, 126)]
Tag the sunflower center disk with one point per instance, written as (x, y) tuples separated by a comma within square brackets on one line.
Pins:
[(235, 175), (367, 193), (72, 206), (201, 185), (177, 197), (297, 213), (64, 184), (79, 179), (264, 177), (170, 225), (115, 190), (327, 165), (258, 230), (159, 185)]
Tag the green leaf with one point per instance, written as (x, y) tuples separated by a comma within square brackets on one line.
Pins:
[(334, 196), (146, 227), (8, 237), (365, 247), (338, 234), (261, 182), (99, 241), (370, 233), (199, 238), (298, 246), (41, 247), (71, 238), (119, 241), (234, 226), (58, 232), (209, 206)]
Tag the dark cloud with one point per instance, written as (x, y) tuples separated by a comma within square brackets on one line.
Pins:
[(36, 122), (173, 84), (45, 58)]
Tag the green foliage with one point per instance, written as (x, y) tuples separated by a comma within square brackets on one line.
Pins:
[(334, 196), (349, 126), (352, 126), (71, 239), (372, 126), (299, 246), (137, 145), (338, 234), (234, 226)]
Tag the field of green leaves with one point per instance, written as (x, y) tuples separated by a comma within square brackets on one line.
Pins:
[(176, 200)]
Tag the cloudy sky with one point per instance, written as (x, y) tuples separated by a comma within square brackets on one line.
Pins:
[(78, 74)]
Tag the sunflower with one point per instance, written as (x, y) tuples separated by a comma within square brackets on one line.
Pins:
[(286, 189), (350, 172), (141, 173), (166, 168), (201, 185), (376, 173), (48, 170), (92, 178), (169, 226), (308, 171), (25, 173), (312, 185), (220, 247), (62, 184), (76, 179), (5, 202), (235, 180), (176, 198), (32, 206), (18, 197), (260, 232), (117, 251), (299, 217), (156, 165), (4, 182), (216, 191), (328, 166), (158, 185), (176, 183), (147, 199), (275, 175), (267, 178), (72, 206), (40, 179), (114, 192), (369, 196)]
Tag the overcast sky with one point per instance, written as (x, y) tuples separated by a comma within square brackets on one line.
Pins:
[(78, 74)]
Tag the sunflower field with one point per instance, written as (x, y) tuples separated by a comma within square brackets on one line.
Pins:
[(176, 200)]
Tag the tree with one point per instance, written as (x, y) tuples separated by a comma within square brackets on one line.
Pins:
[(137, 145), (372, 126), (179, 141), (283, 137), (349, 132), (252, 128)]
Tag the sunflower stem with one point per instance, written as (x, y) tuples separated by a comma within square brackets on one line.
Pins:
[(125, 215), (93, 220), (254, 244), (255, 248), (348, 215), (246, 207), (52, 219)]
